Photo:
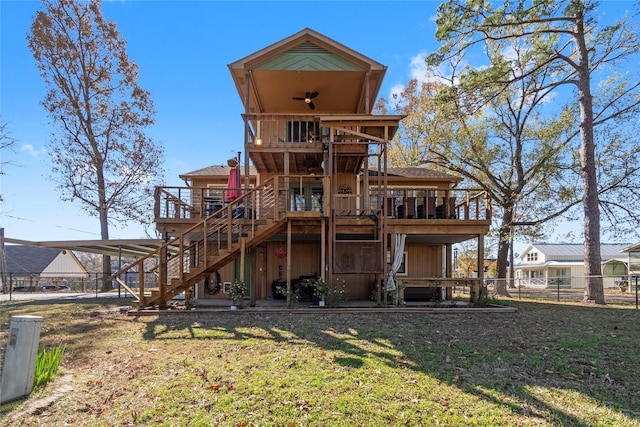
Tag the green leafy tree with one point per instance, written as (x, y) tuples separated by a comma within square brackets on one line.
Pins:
[(562, 39), (101, 154), (503, 148), (419, 130)]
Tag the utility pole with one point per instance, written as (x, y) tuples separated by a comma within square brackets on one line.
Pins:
[(3, 263)]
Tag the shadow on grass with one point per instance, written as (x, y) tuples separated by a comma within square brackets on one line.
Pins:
[(519, 362), (512, 360), (74, 322)]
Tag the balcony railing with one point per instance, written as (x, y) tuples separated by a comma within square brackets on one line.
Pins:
[(409, 203), (295, 193), (298, 193), (276, 129)]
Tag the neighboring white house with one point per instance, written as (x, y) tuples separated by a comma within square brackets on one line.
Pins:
[(547, 265), (631, 257), (32, 267)]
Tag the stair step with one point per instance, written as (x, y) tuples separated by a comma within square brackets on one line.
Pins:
[(215, 255)]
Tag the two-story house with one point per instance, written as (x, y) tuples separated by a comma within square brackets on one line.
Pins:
[(311, 194), (548, 265)]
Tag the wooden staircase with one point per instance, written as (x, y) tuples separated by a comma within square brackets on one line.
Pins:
[(209, 245)]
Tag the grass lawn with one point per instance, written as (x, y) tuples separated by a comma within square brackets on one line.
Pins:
[(549, 364)]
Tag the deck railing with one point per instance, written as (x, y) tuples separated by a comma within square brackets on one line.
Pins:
[(289, 193), (297, 193), (409, 203), (274, 130)]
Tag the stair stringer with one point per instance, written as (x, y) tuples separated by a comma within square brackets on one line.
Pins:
[(197, 274)]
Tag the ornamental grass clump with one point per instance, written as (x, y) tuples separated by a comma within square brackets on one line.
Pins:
[(47, 364)]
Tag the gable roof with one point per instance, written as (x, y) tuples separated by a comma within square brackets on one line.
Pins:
[(29, 259), (215, 170), (632, 248), (347, 82)]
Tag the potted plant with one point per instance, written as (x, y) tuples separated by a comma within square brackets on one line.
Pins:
[(237, 291), (321, 290)]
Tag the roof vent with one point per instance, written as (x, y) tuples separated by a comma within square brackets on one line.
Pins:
[(307, 48)]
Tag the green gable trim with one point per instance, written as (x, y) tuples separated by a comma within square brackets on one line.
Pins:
[(308, 57)]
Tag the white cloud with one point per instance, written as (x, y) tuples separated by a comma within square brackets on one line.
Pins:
[(423, 74), (509, 53), (32, 151), (418, 67)]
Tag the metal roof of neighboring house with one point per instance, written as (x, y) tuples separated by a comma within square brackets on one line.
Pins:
[(574, 250), (29, 259)]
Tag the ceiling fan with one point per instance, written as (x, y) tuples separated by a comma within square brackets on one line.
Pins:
[(308, 96)]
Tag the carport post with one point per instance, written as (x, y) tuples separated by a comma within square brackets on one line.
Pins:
[(120, 268)]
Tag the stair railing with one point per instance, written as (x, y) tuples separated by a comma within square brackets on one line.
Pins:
[(217, 231)]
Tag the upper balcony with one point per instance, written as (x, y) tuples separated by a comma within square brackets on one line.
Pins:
[(302, 142)]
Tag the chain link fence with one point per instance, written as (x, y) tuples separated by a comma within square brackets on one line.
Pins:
[(60, 282), (620, 289)]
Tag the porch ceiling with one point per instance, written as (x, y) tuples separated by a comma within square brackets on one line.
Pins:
[(339, 92), (302, 162)]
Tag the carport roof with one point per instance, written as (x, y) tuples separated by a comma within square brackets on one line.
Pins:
[(129, 248)]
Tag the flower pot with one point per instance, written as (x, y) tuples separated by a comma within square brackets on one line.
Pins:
[(321, 303), (233, 307)]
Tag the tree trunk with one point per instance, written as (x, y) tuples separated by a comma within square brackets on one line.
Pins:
[(504, 241), (107, 285), (593, 287)]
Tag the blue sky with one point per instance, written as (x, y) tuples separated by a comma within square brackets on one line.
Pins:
[(183, 48)]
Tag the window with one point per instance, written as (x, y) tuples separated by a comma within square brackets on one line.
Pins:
[(532, 256), (298, 131), (402, 270), (311, 198)]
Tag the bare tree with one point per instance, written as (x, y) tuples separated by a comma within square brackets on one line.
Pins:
[(6, 142), (101, 155)]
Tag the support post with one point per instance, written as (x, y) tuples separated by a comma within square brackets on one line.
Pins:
[(478, 287), (289, 290)]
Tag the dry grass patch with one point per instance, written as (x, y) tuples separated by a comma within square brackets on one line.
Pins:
[(549, 364)]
